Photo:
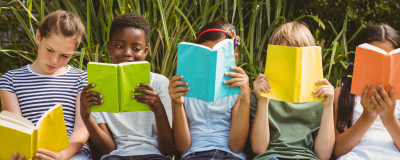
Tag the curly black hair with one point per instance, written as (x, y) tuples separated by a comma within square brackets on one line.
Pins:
[(130, 20)]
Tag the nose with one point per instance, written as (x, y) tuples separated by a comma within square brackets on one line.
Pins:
[(128, 52), (54, 59)]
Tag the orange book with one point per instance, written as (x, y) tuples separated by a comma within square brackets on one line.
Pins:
[(375, 66)]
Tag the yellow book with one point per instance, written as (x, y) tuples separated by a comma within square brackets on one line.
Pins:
[(18, 134), (293, 73)]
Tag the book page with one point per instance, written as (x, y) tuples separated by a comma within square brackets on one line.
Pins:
[(52, 133), (395, 51), (394, 74), (373, 48), (17, 119), (223, 43)]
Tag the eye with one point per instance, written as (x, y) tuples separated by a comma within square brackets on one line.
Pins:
[(136, 49), (49, 50), (65, 56), (119, 46)]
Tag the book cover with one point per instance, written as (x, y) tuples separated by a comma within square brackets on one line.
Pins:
[(204, 69), (18, 134), (375, 66), (293, 73), (116, 82)]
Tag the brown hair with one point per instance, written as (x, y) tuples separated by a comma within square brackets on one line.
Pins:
[(213, 36), (293, 34), (346, 100), (62, 23)]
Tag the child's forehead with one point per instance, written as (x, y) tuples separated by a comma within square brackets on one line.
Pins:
[(129, 33)]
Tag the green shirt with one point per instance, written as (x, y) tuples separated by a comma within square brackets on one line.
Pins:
[(292, 127)]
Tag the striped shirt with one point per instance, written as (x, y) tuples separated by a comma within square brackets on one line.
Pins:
[(37, 93)]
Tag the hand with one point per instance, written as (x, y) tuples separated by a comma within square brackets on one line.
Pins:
[(240, 80), (88, 99), (175, 92), (150, 97), (384, 104), (49, 155), (325, 90), (367, 103), (261, 84), (15, 156)]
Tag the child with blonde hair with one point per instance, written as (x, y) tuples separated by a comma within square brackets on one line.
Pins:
[(283, 130), (32, 90)]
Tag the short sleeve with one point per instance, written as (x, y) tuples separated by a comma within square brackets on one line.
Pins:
[(162, 90), (98, 117), (83, 81), (253, 107), (6, 82)]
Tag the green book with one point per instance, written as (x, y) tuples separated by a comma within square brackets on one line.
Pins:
[(116, 82)]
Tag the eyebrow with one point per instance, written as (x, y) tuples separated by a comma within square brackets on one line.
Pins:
[(60, 53), (50, 47), (137, 43)]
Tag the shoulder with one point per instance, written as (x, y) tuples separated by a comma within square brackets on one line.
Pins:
[(10, 74), (158, 78), (73, 70)]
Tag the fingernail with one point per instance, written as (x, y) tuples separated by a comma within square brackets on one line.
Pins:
[(267, 79), (379, 85), (40, 150), (224, 81), (137, 85), (189, 88), (226, 73), (133, 90), (313, 91), (181, 76), (93, 85), (374, 90), (391, 84), (369, 85), (102, 101), (133, 97), (232, 67), (101, 96), (187, 83), (269, 86), (37, 154)]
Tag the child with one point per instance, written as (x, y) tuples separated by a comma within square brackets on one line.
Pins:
[(283, 130), (33, 89), (131, 135), (223, 133), (368, 127)]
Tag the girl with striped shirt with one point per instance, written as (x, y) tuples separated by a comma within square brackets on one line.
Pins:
[(33, 89)]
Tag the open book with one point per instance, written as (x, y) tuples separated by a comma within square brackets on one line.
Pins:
[(116, 82), (375, 66), (293, 73), (203, 68), (18, 134)]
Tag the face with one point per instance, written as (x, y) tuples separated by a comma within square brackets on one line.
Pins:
[(127, 45), (54, 53), (385, 45)]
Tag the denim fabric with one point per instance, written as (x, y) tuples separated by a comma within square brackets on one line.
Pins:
[(211, 155), (274, 158), (210, 124), (143, 157), (82, 154)]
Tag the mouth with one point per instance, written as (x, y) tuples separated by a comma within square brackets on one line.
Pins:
[(50, 67), (124, 61)]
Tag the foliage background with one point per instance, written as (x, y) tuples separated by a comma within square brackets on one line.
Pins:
[(334, 23)]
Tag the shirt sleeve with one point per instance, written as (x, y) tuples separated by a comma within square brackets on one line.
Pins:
[(83, 81), (6, 82), (162, 91), (98, 117)]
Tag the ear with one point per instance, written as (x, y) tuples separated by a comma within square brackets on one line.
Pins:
[(236, 56), (37, 37), (145, 52), (108, 46)]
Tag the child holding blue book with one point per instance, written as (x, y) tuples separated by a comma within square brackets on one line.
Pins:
[(211, 130), (131, 135), (32, 90), (368, 126), (283, 130)]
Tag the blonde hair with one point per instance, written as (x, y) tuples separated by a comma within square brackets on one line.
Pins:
[(294, 34), (62, 23)]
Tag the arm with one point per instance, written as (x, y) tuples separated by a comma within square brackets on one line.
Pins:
[(240, 122), (386, 105), (77, 139), (346, 141), (259, 134), (9, 102), (164, 133), (325, 140), (180, 126)]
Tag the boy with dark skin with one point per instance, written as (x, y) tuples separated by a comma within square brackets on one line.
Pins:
[(128, 43)]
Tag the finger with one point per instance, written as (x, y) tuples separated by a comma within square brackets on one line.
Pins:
[(233, 74), (86, 88), (378, 97), (265, 89), (175, 78), (375, 102), (321, 91), (148, 86), (47, 152), (43, 156), (323, 81), (94, 94), (142, 97), (145, 101), (93, 98), (21, 157), (180, 89), (238, 69), (180, 94), (179, 83), (92, 103), (365, 92), (233, 80), (236, 84), (14, 156), (391, 92), (384, 95), (145, 91), (317, 90)]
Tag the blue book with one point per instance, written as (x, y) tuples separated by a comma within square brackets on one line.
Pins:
[(204, 69)]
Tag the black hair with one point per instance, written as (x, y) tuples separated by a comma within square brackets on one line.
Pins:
[(346, 100), (130, 20), (213, 36)]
